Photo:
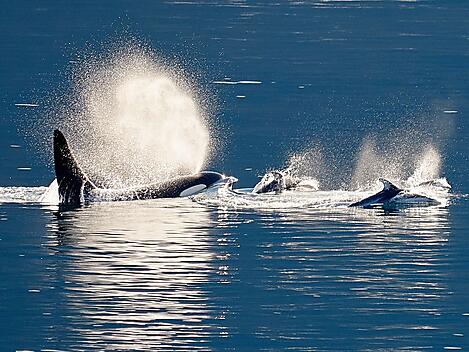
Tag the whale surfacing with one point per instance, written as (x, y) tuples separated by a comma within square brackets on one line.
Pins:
[(70, 178), (393, 196), (75, 188), (389, 191)]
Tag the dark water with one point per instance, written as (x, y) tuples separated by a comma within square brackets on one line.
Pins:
[(186, 275)]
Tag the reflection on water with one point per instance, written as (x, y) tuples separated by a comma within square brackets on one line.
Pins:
[(322, 279), (171, 274), (176, 275), (134, 273)]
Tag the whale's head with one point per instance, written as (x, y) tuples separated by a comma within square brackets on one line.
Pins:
[(272, 181), (210, 178)]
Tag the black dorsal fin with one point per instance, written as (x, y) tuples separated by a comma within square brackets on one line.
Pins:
[(73, 183), (388, 186)]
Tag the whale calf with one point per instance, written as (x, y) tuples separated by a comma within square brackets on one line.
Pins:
[(75, 187)]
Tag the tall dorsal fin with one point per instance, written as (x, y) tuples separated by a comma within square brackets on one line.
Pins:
[(71, 179)]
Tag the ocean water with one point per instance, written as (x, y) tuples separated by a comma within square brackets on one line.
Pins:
[(338, 92)]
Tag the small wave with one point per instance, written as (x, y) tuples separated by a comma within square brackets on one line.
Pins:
[(41, 194), (21, 194)]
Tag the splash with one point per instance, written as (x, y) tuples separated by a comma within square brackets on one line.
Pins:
[(408, 163), (405, 164), (51, 194), (428, 167), (307, 163), (374, 161), (21, 194), (130, 119), (305, 167)]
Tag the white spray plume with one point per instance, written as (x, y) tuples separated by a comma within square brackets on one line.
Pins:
[(134, 121), (307, 163), (428, 167), (399, 162), (373, 163)]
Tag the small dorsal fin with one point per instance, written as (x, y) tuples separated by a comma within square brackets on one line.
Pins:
[(388, 185)]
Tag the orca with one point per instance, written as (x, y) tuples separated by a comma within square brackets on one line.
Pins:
[(75, 187), (389, 191)]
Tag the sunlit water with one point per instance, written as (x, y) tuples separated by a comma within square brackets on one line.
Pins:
[(172, 274), (367, 88), (299, 270)]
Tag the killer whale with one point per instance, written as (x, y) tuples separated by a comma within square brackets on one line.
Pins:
[(75, 187)]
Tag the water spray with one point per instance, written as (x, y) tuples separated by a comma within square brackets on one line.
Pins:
[(131, 119)]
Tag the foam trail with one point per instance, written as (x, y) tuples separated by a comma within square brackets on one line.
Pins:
[(43, 195)]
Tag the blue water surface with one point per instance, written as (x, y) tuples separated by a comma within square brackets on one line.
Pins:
[(185, 275)]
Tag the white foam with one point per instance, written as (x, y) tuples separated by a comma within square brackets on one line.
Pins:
[(21, 194), (44, 195), (286, 200), (51, 194)]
